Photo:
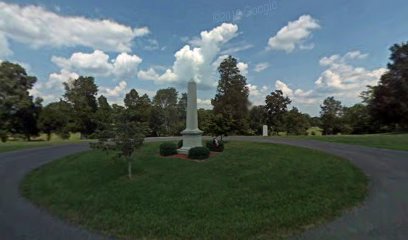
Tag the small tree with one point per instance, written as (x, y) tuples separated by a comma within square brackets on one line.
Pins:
[(129, 137), (125, 136)]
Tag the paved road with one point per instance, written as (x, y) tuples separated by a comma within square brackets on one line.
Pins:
[(384, 215)]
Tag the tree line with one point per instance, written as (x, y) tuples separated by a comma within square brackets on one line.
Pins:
[(384, 107)]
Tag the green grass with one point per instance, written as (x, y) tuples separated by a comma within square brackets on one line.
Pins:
[(18, 145), (13, 145), (389, 141), (250, 191)]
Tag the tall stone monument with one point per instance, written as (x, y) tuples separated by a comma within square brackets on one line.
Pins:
[(191, 135)]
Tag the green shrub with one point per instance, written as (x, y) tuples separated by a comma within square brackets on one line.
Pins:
[(198, 153), (3, 136), (180, 144), (211, 146), (168, 148)]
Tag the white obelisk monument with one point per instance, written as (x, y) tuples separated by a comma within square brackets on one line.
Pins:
[(191, 135)]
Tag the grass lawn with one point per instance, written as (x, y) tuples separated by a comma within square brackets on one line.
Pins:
[(250, 191), (390, 141), (17, 145), (37, 142)]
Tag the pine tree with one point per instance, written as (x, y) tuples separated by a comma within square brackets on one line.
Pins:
[(231, 99)]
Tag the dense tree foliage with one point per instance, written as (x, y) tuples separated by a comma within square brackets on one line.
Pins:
[(81, 94), (276, 107), (18, 110), (55, 118), (257, 118), (388, 101), (231, 99), (296, 123), (330, 114)]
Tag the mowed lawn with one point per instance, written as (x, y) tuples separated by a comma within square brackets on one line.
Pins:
[(14, 145), (250, 191), (389, 141)]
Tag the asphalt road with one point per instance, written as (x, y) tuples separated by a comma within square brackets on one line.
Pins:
[(384, 214)]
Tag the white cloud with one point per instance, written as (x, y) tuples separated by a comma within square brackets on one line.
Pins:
[(56, 80), (236, 48), (340, 79), (118, 90), (196, 62), (38, 27), (98, 63), (140, 32), (243, 68), (4, 47), (261, 66), (279, 85), (343, 79), (149, 74), (257, 94), (204, 103), (294, 35)]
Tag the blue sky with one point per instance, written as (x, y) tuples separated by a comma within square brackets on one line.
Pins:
[(308, 49)]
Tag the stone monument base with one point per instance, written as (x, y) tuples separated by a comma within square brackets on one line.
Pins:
[(191, 138)]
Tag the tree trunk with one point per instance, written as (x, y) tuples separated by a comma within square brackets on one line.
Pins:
[(129, 168), (48, 136)]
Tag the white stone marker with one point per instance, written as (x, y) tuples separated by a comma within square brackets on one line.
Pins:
[(191, 135), (265, 131)]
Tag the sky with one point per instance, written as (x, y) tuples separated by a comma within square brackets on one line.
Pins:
[(308, 49)]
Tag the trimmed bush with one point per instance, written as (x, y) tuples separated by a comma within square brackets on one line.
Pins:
[(168, 148), (180, 143), (198, 153), (213, 148)]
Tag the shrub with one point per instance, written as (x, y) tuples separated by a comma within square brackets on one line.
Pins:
[(180, 144), (213, 148), (168, 148), (198, 153), (3, 136)]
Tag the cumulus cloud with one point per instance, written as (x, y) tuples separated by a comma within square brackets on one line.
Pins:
[(257, 94), (294, 35), (195, 60), (261, 66), (39, 27), (243, 68), (56, 80), (204, 103), (340, 79), (98, 63), (118, 90)]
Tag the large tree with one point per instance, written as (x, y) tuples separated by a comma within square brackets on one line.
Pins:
[(55, 118), (358, 119), (330, 115), (388, 101), (139, 107), (165, 102), (276, 107), (231, 99), (296, 123), (257, 118), (81, 94), (18, 110), (104, 114)]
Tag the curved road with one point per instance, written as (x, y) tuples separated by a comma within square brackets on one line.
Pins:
[(384, 214)]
